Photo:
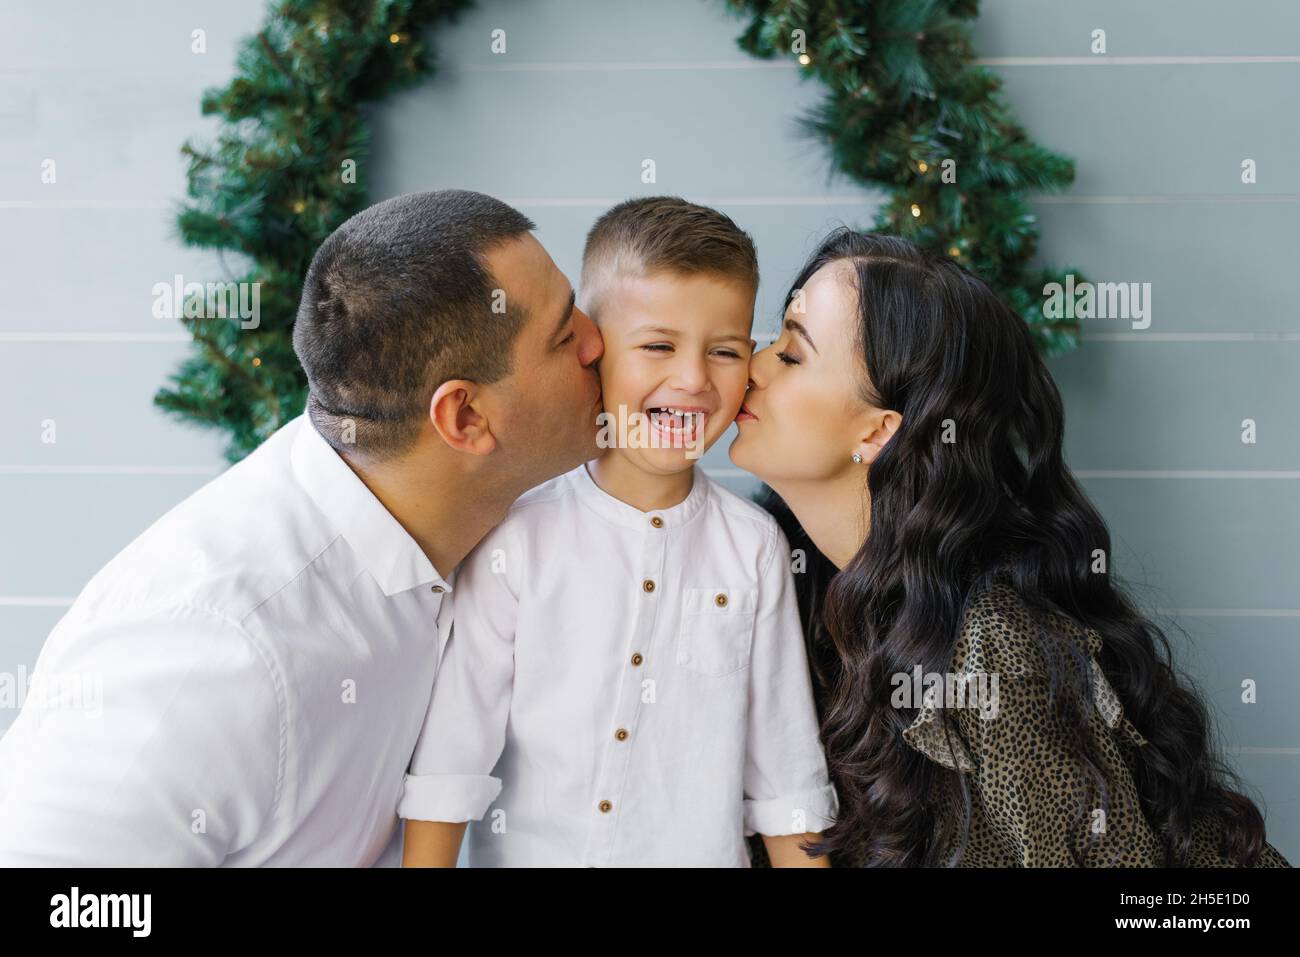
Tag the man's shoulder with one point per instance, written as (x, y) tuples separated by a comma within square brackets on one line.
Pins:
[(525, 517), (552, 492), (226, 547)]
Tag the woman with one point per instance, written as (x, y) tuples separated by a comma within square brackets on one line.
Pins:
[(913, 436)]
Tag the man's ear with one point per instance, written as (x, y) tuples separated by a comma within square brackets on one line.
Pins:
[(458, 418), (881, 426)]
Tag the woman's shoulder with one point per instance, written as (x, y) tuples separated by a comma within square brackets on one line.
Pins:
[(1206, 848), (1005, 636), (1002, 633)]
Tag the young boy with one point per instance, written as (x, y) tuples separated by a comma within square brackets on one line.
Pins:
[(626, 682)]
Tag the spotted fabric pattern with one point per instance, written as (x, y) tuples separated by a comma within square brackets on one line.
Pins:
[(1033, 802)]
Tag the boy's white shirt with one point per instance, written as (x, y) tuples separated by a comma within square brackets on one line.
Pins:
[(541, 712)]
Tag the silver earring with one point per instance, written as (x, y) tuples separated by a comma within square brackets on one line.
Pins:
[(857, 457)]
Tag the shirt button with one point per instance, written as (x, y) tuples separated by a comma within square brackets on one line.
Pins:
[(657, 522), (720, 600), (637, 659), (648, 585), (621, 734), (438, 589), (605, 807)]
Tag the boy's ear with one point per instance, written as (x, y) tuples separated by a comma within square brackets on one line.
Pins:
[(457, 415)]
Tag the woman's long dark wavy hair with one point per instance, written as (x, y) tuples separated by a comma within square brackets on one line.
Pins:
[(938, 344)]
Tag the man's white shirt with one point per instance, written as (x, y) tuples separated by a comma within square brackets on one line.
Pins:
[(265, 651), (623, 688)]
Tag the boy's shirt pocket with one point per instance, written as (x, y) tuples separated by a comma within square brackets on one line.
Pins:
[(716, 632)]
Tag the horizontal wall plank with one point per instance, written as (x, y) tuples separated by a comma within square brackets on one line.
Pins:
[(1192, 544), (1153, 27), (1180, 405), (70, 271), (69, 526), (100, 399)]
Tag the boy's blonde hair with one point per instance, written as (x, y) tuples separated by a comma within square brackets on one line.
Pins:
[(640, 237)]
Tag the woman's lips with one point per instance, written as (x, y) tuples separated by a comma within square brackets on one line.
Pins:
[(744, 415)]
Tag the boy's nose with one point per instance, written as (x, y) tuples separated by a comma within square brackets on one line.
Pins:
[(691, 375)]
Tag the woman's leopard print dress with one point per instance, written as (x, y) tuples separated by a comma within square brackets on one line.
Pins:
[(1032, 802)]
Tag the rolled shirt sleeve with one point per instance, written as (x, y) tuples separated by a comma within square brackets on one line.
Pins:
[(450, 776), (786, 784), (150, 740)]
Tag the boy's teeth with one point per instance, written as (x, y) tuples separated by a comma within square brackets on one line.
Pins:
[(675, 420)]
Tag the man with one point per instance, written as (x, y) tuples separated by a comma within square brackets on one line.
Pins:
[(267, 649)]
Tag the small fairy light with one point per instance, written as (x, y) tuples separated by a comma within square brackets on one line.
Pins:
[(394, 38), (256, 361), (916, 211), (805, 59), (923, 166), (299, 206), (954, 252)]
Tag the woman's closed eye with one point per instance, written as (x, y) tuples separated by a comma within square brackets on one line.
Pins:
[(787, 358)]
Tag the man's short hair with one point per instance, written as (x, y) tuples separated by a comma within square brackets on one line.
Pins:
[(398, 300), (640, 237)]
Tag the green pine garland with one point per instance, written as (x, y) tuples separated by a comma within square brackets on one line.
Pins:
[(903, 95), (274, 186)]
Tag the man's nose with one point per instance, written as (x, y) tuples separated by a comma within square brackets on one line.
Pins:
[(591, 343)]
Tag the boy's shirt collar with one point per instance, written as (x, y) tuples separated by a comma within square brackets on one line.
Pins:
[(629, 516)]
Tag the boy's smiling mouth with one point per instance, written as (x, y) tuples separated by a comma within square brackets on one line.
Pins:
[(678, 424)]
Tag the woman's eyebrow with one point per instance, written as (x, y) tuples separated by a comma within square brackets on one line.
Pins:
[(798, 327)]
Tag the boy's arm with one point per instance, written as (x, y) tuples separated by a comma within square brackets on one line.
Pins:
[(432, 843), (450, 779), (788, 795), (783, 850)]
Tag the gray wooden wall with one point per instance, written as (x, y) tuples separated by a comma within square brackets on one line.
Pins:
[(1208, 528)]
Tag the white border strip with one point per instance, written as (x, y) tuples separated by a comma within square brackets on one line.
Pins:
[(569, 66), (765, 338), (1169, 199), (1107, 60), (21, 601), (63, 337), (87, 204), (604, 202), (1229, 612), (565, 66), (1283, 474), (197, 470), (865, 199), (1191, 337)]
